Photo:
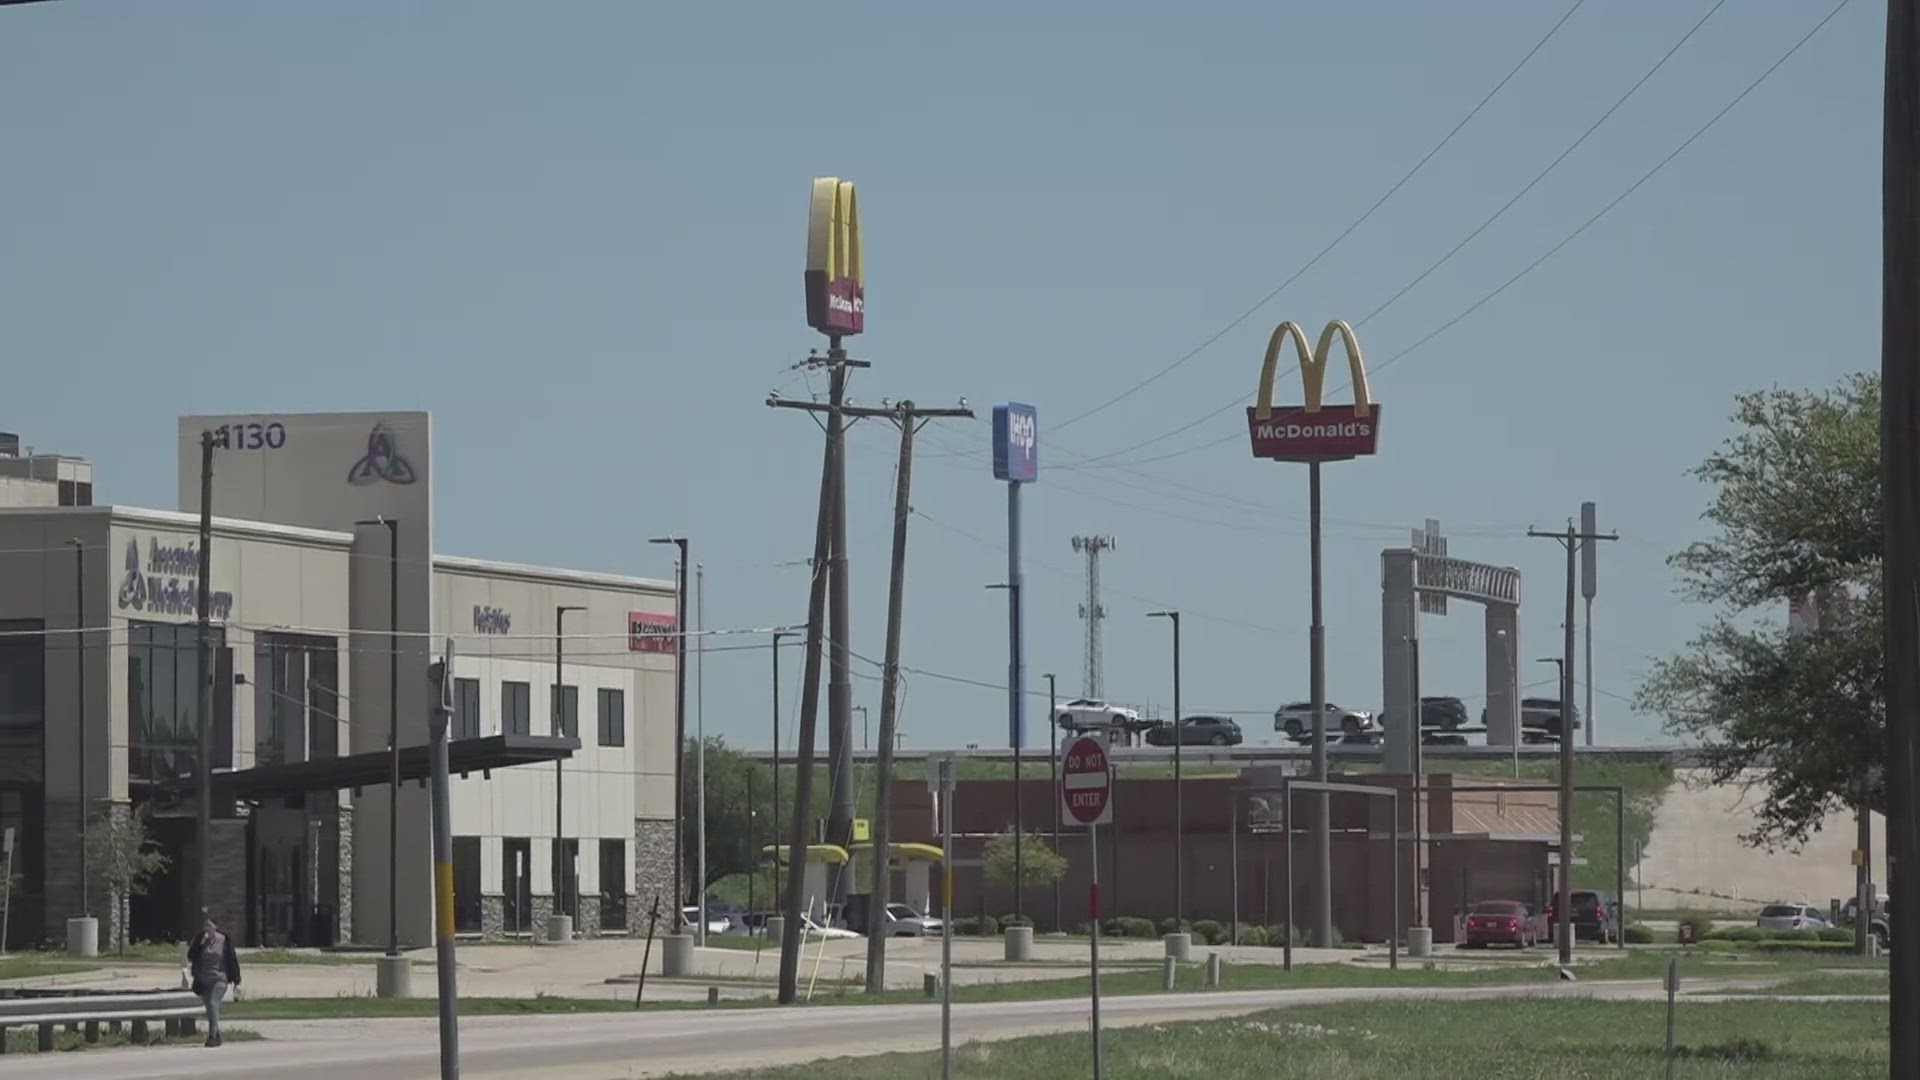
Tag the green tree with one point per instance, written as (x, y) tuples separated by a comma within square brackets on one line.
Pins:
[(122, 854), (737, 828), (1042, 867), (1796, 513)]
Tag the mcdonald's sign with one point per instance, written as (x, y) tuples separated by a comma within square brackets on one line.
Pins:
[(1313, 432), (836, 284)]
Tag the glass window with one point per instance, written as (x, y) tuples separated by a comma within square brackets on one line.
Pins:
[(516, 708), (163, 704), (22, 794), (466, 880), (566, 715), (466, 708), (613, 717)]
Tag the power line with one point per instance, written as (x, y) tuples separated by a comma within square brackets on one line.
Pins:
[(1337, 240)]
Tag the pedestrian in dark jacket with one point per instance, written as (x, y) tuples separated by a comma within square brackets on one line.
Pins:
[(214, 964)]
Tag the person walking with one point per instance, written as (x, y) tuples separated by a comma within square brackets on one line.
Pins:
[(215, 965)]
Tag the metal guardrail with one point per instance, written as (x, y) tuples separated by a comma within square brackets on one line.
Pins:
[(85, 1011)]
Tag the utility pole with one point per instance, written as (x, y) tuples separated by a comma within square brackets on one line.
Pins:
[(203, 771), (824, 567), (561, 930), (445, 965), (1179, 791), (1092, 611), (1589, 586), (1900, 492), (680, 622), (700, 747), (1573, 539)]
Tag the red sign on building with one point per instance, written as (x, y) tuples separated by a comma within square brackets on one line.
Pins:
[(651, 632), (1329, 433)]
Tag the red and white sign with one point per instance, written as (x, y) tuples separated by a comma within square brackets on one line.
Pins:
[(651, 632), (1086, 784), (1329, 433)]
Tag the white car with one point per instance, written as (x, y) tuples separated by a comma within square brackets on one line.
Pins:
[(1090, 715), (717, 923), (1791, 917), (1296, 720), (903, 921)]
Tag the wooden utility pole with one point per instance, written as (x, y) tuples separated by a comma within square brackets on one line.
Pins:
[(837, 363), (203, 620), (1900, 492), (1572, 540)]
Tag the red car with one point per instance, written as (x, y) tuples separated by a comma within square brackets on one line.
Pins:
[(1503, 922)]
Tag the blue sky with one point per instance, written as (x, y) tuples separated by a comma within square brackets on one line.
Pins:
[(575, 233)]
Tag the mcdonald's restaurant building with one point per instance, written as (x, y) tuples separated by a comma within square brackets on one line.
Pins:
[(328, 604)]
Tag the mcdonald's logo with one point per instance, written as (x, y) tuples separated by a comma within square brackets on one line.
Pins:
[(1314, 431), (836, 282)]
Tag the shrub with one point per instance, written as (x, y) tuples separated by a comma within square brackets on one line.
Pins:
[(1701, 923), (989, 926), (1836, 933), (1085, 929), (1015, 920), (1737, 933), (1252, 935), (1128, 926), (1210, 932), (1639, 934), (1175, 926), (966, 925), (1278, 935)]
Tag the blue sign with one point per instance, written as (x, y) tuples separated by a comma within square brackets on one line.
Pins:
[(1016, 443)]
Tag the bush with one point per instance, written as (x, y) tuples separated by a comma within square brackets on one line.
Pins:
[(1252, 935), (1639, 934), (1836, 933), (1701, 923), (1278, 936), (1736, 933), (1175, 926), (989, 926), (1015, 920), (1129, 926), (1210, 932), (966, 925)]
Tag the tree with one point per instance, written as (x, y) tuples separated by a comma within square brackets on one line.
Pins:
[(736, 828), (1040, 865), (1797, 511), (122, 854)]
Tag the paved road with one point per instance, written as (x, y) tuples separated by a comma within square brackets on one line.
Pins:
[(604, 1046)]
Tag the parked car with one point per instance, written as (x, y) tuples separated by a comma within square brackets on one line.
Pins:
[(903, 921), (1498, 922), (1092, 716), (717, 921), (1445, 713), (1595, 916), (1198, 731), (1791, 917), (1296, 720)]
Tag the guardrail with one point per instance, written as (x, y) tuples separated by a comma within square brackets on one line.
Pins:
[(83, 1011)]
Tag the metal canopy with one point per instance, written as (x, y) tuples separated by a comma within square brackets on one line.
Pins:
[(375, 769)]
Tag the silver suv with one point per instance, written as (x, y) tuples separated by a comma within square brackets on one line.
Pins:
[(1296, 720)]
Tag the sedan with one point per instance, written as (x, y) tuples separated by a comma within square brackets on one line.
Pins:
[(1791, 917), (1198, 731), (1296, 720), (718, 922), (903, 921), (1504, 922)]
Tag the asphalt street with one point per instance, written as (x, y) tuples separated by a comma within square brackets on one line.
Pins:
[(613, 1046)]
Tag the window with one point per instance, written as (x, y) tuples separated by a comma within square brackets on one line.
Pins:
[(466, 709), (516, 708), (22, 769), (163, 705), (613, 717), (613, 880), (565, 710), (466, 879)]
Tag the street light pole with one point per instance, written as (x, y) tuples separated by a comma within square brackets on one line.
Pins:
[(679, 715), (777, 635), (1317, 694), (1053, 784), (1179, 790), (393, 730), (80, 709), (560, 729), (700, 747), (1014, 711)]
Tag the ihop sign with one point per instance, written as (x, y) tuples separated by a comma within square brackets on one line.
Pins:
[(1016, 443)]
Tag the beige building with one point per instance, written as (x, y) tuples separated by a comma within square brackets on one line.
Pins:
[(99, 707)]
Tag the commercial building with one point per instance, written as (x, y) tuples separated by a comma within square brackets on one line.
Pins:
[(328, 603)]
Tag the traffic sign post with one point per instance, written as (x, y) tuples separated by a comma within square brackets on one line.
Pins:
[(1086, 798)]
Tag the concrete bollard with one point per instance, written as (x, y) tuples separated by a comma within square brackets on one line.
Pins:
[(1180, 947), (83, 936), (1213, 969), (1019, 943), (1169, 971), (393, 977), (930, 984), (676, 955), (713, 995), (776, 927), (559, 929), (1419, 941)]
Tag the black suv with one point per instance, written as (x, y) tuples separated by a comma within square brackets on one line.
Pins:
[(1198, 731), (1595, 916), (1445, 713)]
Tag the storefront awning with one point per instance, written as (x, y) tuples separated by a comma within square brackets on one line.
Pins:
[(375, 769)]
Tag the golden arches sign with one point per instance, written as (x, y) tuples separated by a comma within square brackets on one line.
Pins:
[(1314, 431), (836, 277)]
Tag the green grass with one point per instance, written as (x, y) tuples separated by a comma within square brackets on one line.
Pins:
[(344, 1008), (27, 1040), (1832, 982), (1517, 1040), (41, 965)]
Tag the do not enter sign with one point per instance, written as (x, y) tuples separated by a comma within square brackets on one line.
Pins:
[(1086, 784)]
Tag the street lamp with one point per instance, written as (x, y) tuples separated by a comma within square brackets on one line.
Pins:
[(1053, 784), (1017, 738), (393, 729), (679, 709), (80, 706), (1179, 791), (1508, 648), (560, 729), (777, 635)]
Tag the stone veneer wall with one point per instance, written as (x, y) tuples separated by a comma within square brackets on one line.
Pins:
[(652, 873), (493, 916)]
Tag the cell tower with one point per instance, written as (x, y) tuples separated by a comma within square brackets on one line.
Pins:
[(1091, 610)]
